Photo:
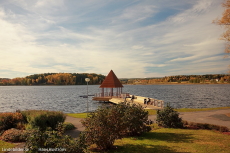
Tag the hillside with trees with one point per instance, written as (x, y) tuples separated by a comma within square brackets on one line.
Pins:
[(79, 79), (208, 78), (54, 79)]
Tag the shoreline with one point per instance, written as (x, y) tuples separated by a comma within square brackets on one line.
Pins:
[(175, 83), (181, 110), (159, 83)]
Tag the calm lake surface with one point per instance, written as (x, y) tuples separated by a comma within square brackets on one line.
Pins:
[(68, 100)]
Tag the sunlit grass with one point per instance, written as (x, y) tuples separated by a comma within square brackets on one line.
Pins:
[(175, 140), (200, 109), (154, 112), (5, 145), (151, 111), (78, 115)]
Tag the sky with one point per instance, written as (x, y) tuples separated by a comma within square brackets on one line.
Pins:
[(134, 38)]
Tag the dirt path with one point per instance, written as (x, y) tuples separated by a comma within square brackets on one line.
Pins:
[(76, 122), (217, 117)]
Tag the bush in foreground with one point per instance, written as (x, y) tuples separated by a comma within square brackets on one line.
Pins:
[(169, 118), (107, 124), (68, 126), (43, 119), (14, 135), (193, 125), (55, 140), (135, 119), (10, 120)]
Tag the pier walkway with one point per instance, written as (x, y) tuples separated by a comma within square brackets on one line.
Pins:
[(153, 104), (111, 91)]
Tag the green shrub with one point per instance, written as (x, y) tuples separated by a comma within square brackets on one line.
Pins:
[(107, 124), (14, 135), (102, 128), (10, 120), (43, 119), (169, 118), (135, 119), (68, 126), (53, 139), (81, 144), (223, 129), (205, 126)]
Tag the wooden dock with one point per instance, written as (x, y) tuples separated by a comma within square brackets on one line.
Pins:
[(154, 104), (111, 91)]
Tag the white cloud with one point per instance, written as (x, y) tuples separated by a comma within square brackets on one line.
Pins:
[(137, 13), (199, 8), (49, 3), (64, 36), (137, 47)]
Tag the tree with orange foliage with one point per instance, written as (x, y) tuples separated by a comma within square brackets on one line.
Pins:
[(225, 22)]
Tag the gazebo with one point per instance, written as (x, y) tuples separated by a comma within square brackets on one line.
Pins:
[(111, 87)]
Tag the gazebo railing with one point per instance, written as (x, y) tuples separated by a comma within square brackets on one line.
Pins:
[(156, 102), (109, 94)]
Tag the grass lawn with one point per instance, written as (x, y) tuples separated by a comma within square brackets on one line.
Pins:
[(165, 140), (200, 109), (78, 115), (154, 112), (6, 145), (175, 140)]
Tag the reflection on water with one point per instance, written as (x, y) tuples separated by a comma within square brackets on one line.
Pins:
[(66, 98)]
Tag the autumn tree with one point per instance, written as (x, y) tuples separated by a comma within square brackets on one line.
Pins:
[(225, 22)]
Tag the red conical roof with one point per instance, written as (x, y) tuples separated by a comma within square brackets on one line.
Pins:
[(111, 81)]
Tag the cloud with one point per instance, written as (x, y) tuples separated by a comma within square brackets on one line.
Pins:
[(198, 8), (49, 4), (135, 13), (134, 38)]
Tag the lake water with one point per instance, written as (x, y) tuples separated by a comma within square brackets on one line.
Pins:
[(68, 100)]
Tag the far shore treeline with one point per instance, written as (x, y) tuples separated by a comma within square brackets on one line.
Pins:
[(55, 79), (79, 79), (204, 79)]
